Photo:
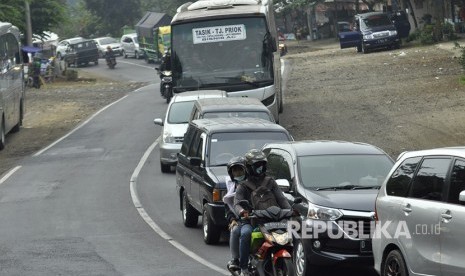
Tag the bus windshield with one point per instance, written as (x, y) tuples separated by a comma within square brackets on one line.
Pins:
[(222, 52)]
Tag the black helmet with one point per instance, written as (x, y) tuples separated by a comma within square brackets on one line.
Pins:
[(255, 162), (237, 161)]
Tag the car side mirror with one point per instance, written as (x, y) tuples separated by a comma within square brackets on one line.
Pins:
[(157, 69), (195, 161), (158, 121), (462, 196), (284, 185)]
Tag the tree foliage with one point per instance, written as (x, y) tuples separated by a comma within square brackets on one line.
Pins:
[(45, 14), (163, 6), (112, 15)]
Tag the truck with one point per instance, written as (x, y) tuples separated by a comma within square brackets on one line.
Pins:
[(153, 33), (229, 45)]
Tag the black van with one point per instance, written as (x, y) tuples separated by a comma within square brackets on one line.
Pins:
[(207, 147), (11, 81), (372, 30), (82, 52)]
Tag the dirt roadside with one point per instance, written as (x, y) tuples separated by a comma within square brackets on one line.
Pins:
[(398, 100), (55, 109)]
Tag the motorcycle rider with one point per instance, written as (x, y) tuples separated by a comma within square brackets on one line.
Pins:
[(256, 164), (165, 65), (237, 172), (110, 55), (165, 62)]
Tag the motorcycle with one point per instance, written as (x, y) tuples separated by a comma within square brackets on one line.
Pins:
[(166, 84), (111, 62), (271, 244)]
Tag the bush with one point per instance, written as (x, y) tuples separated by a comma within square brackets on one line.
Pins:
[(427, 35)]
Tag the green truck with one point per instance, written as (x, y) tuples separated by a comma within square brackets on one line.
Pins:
[(154, 35)]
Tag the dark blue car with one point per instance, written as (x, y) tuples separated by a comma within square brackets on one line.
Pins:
[(373, 30)]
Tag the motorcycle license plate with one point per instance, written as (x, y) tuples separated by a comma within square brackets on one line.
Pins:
[(276, 225)]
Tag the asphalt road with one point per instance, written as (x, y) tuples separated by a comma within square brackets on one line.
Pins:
[(96, 202)]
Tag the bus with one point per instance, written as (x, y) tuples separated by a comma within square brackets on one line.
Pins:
[(11, 81), (228, 45)]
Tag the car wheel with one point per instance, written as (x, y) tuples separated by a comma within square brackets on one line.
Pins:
[(211, 232), (394, 265), (2, 134), (300, 259), (190, 217), (359, 48), (124, 54), (17, 127), (136, 55), (165, 168)]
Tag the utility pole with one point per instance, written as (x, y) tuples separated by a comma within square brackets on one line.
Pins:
[(28, 23)]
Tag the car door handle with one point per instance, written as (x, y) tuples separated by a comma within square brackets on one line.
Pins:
[(446, 216), (407, 208)]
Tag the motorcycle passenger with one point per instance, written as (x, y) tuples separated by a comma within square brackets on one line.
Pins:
[(262, 192), (237, 173)]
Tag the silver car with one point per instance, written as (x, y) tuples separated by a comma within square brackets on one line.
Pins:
[(176, 122), (421, 215)]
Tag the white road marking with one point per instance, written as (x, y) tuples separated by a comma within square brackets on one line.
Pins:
[(153, 225), (10, 173)]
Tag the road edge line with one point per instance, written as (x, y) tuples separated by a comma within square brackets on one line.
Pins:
[(8, 174), (151, 222)]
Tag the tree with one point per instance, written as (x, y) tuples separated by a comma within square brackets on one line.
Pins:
[(45, 14), (163, 6), (112, 15)]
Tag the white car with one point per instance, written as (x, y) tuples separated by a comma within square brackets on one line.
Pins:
[(176, 122), (130, 46), (104, 42), (63, 46), (420, 210)]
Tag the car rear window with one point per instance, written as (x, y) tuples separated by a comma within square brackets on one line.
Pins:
[(84, 45), (224, 146), (240, 114)]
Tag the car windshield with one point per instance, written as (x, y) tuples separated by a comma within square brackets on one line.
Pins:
[(377, 20), (242, 114), (203, 56), (340, 171), (180, 112), (224, 146), (107, 40)]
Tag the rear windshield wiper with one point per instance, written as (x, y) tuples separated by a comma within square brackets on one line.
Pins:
[(347, 187)]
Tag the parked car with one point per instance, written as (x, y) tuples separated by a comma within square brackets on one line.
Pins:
[(104, 42), (372, 30), (338, 182), (200, 173), (230, 107), (421, 209), (63, 46), (12, 93), (81, 52), (175, 124), (130, 45)]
